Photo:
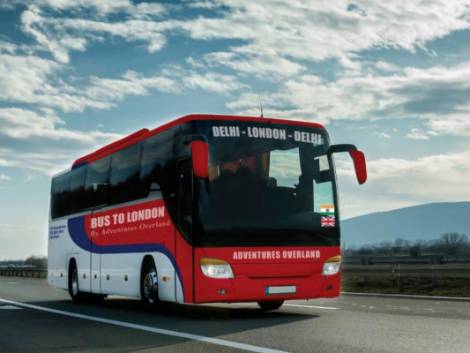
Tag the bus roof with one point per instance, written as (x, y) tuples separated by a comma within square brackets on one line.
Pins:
[(144, 133)]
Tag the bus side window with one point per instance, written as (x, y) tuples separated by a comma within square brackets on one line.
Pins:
[(157, 152), (60, 195), (77, 190), (97, 182), (124, 179)]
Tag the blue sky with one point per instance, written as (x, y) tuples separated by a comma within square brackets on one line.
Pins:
[(392, 78)]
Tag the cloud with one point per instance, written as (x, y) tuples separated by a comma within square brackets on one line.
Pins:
[(22, 76), (104, 7), (454, 125), (4, 177), (211, 82), (386, 66), (398, 182), (273, 33), (41, 143), (275, 41), (439, 95), (417, 134), (384, 135), (262, 64), (425, 176), (316, 31), (20, 123), (43, 161), (171, 80), (34, 80), (33, 24), (131, 83), (7, 47), (61, 34)]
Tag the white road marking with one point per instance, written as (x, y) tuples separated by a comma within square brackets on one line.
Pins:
[(312, 306), (9, 307), (189, 336), (12, 282)]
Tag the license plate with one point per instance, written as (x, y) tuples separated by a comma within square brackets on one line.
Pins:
[(281, 290)]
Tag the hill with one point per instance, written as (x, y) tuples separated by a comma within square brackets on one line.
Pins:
[(424, 222)]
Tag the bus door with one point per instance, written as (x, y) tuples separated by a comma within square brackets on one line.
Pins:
[(184, 251), (97, 193), (95, 260)]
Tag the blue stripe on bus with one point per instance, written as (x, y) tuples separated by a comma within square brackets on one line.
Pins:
[(78, 234)]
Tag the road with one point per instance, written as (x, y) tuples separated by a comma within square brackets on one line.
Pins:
[(37, 318)]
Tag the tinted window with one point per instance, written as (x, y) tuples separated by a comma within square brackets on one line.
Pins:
[(77, 190), (156, 154), (97, 182), (269, 184), (60, 195), (124, 180)]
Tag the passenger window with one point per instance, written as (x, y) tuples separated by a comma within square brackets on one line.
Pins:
[(157, 151), (60, 195), (77, 190), (97, 182), (124, 179)]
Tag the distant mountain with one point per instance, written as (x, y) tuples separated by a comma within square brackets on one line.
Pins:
[(424, 222)]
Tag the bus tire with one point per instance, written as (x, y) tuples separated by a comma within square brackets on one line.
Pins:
[(149, 283), (73, 285), (269, 305)]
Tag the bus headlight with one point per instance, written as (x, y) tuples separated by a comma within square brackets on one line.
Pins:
[(215, 268), (332, 266)]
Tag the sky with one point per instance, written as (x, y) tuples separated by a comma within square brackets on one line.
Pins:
[(391, 77)]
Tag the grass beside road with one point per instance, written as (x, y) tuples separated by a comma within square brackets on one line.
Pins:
[(451, 287)]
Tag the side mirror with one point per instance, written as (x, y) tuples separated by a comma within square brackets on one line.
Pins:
[(358, 158), (200, 158)]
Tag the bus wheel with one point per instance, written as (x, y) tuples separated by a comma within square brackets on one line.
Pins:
[(270, 305), (149, 285), (74, 290)]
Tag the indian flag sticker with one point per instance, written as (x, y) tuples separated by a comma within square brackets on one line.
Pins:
[(327, 210)]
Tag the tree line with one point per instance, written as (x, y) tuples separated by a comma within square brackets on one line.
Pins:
[(453, 244), (32, 261)]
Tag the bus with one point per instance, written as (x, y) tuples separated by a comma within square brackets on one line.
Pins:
[(206, 208)]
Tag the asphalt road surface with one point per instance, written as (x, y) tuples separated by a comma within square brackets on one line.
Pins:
[(35, 317)]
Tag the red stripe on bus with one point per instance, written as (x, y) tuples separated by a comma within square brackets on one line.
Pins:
[(144, 133)]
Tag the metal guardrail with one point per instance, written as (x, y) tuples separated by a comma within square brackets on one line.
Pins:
[(386, 272), (31, 273)]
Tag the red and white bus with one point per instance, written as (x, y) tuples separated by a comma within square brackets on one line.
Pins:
[(206, 208)]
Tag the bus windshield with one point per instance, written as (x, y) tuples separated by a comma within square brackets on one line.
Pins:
[(268, 185)]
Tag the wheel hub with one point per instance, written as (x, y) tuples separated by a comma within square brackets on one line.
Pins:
[(75, 283), (151, 286)]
